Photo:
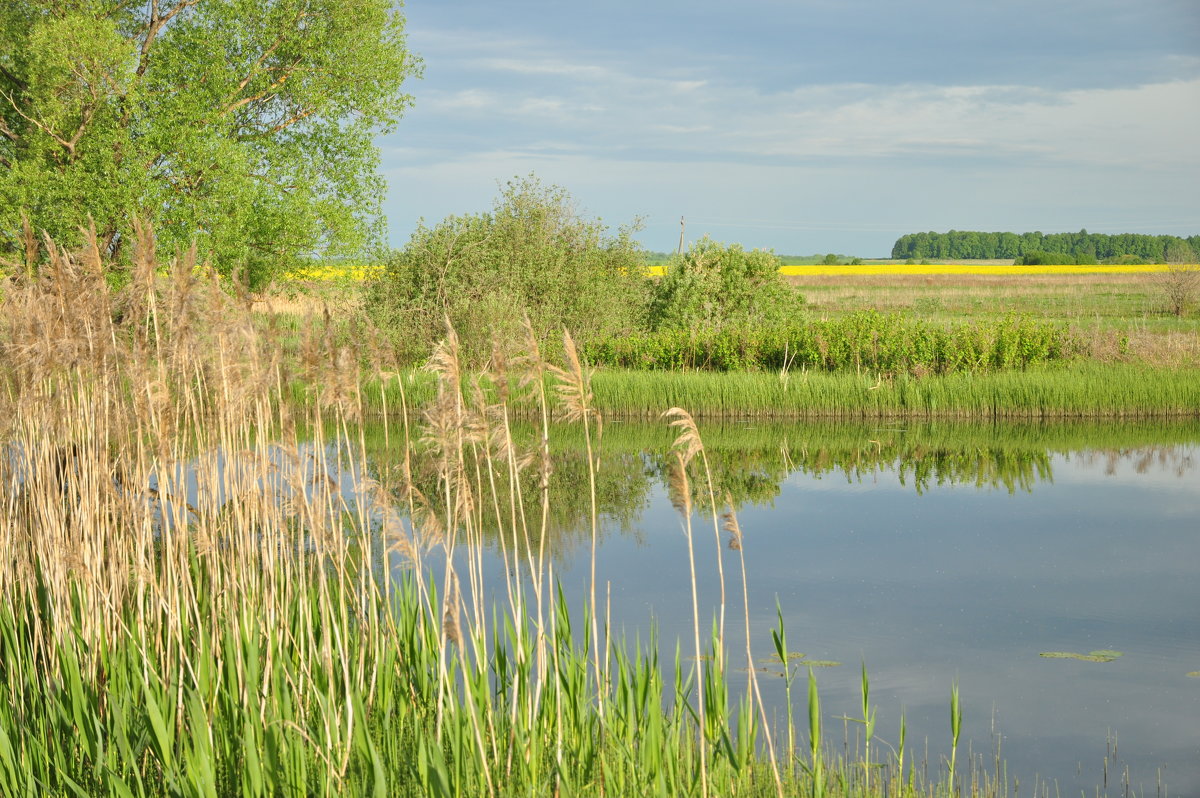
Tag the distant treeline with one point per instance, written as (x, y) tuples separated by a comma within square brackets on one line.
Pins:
[(1091, 247)]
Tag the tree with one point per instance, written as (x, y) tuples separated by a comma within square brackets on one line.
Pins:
[(245, 125), (534, 254)]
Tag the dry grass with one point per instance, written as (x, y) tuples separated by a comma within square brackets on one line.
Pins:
[(1090, 293), (306, 300)]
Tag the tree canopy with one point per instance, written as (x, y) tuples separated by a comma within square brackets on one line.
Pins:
[(971, 244), (713, 285), (533, 254), (246, 126)]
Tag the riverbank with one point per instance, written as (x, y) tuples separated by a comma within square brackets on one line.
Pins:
[(1079, 390)]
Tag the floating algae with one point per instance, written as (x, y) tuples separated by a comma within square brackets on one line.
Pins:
[(1103, 655)]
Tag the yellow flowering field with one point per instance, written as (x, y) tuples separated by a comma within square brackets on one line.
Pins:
[(362, 272), (349, 272), (901, 269), (959, 268)]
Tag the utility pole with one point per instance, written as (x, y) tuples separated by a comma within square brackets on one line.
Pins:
[(682, 227)]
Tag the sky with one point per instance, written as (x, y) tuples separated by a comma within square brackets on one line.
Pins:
[(807, 126)]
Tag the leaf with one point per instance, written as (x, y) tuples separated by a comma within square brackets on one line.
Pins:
[(162, 736)]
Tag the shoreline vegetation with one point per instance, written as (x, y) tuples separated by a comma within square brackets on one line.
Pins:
[(238, 627), (1082, 390), (190, 607)]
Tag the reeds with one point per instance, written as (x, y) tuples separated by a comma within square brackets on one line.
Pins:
[(866, 341), (1080, 390), (207, 590)]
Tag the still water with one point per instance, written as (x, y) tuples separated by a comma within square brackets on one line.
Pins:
[(939, 555)]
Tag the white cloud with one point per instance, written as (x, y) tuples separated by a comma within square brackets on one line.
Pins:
[(609, 104), (466, 100), (634, 135)]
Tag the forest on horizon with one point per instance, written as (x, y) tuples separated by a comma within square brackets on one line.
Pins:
[(975, 245)]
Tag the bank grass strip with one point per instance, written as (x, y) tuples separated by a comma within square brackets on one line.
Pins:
[(1078, 390)]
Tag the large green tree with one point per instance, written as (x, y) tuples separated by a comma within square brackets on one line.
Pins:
[(244, 125)]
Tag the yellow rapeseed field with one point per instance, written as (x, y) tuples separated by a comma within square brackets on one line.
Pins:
[(362, 272), (899, 269), (959, 268), (352, 272)]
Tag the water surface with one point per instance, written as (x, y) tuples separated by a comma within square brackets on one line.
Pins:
[(937, 554)]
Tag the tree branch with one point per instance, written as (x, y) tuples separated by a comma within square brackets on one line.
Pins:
[(284, 125), (271, 88), (89, 111), (154, 26), (39, 125), (13, 79), (8, 132), (256, 68)]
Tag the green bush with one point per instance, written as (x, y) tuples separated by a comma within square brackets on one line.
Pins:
[(1056, 259), (533, 253), (712, 286), (1126, 260)]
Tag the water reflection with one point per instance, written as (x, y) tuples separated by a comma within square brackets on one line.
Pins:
[(936, 553), (751, 462)]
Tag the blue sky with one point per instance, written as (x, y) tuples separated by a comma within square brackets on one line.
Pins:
[(808, 125)]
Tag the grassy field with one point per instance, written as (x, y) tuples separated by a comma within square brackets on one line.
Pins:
[(1122, 313)]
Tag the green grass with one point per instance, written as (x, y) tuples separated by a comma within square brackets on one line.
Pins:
[(1079, 390)]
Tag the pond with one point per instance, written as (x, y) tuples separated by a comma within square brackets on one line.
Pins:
[(937, 555)]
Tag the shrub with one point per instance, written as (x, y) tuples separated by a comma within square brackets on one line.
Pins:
[(533, 253), (713, 286), (1180, 287), (1126, 260), (1056, 259)]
